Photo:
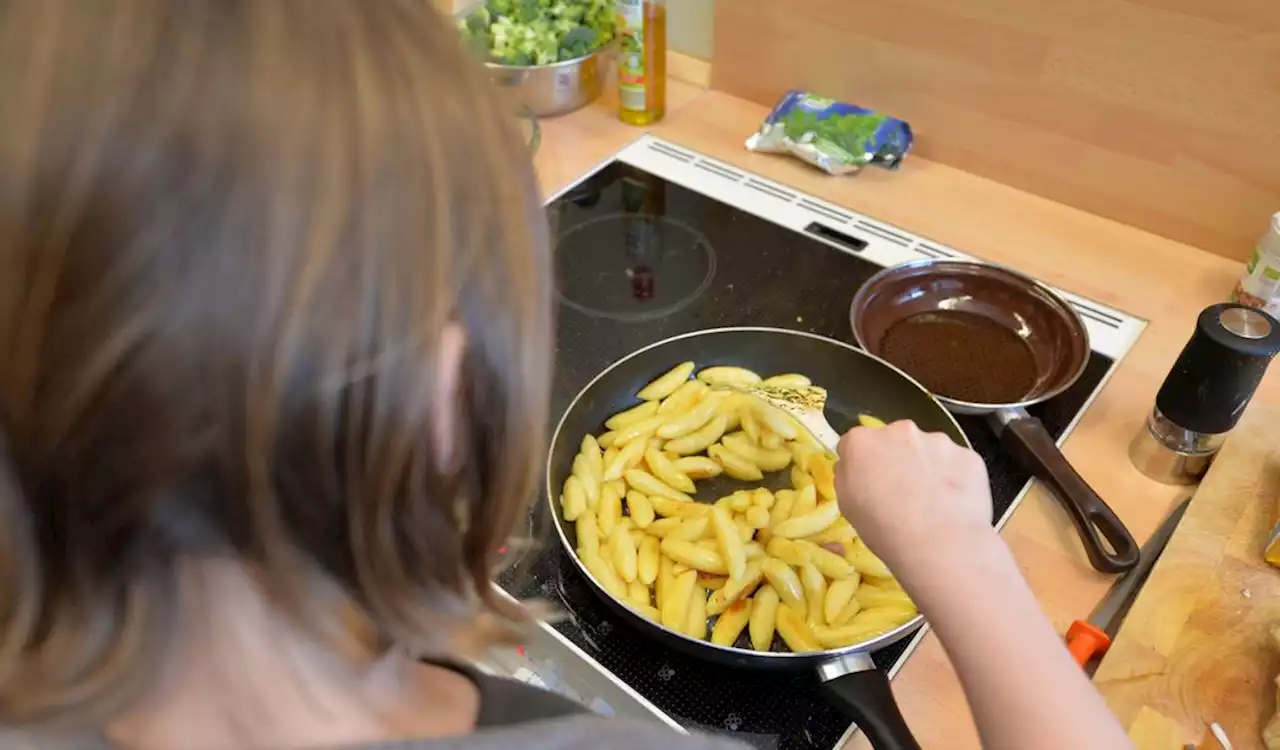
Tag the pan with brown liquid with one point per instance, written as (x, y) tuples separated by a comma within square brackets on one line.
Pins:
[(985, 339)]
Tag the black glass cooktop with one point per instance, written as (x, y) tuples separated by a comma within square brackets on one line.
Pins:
[(639, 259)]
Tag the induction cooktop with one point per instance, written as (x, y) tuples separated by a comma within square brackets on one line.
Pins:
[(660, 241)]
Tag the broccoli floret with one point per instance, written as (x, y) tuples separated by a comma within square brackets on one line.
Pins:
[(539, 32), (478, 22), (529, 11), (577, 42), (501, 7)]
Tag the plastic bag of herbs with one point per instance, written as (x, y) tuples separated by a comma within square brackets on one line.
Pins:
[(836, 137)]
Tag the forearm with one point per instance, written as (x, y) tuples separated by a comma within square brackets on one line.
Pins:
[(1022, 685)]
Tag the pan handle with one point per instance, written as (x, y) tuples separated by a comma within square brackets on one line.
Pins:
[(1025, 438), (861, 692)]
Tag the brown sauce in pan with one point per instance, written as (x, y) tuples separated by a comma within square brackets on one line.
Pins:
[(962, 356)]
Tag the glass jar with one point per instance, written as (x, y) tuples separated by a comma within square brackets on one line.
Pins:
[(1259, 286)]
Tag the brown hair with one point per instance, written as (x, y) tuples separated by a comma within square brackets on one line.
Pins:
[(233, 235)]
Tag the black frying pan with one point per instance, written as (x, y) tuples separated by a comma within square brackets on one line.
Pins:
[(856, 382)]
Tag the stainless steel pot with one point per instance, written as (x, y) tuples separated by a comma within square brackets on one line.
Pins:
[(558, 88)]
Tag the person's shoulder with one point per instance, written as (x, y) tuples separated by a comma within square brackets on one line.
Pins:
[(579, 732), (16, 740)]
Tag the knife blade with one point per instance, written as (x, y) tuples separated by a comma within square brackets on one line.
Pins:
[(1087, 639)]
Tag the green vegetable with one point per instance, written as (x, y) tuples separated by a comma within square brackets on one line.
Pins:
[(539, 32), (840, 136)]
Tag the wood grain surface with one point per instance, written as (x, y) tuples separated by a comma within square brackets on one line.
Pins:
[(1150, 276), (1162, 114), (1196, 647)]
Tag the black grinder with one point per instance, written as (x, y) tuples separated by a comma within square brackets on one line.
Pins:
[(1206, 392)]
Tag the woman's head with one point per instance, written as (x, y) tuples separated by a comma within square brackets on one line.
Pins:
[(273, 288)]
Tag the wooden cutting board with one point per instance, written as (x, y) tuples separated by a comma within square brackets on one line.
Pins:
[(1196, 646)]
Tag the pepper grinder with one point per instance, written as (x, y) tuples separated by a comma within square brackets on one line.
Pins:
[(1205, 393)]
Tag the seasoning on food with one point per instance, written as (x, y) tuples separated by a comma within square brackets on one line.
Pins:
[(836, 137), (796, 398), (963, 356)]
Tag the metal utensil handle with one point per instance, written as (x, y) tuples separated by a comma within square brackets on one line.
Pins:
[(862, 692), (1025, 438)]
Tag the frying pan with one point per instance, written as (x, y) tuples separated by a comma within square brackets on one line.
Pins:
[(1059, 345), (856, 382)]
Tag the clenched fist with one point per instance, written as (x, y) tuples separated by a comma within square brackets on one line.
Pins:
[(908, 491)]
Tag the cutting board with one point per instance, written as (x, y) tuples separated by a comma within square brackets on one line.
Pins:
[(1196, 646)]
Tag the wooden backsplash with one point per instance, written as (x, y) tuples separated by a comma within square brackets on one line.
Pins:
[(1162, 114)]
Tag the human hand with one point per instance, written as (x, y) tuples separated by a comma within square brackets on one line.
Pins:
[(909, 492)]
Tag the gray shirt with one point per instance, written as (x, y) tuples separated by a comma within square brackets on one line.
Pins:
[(512, 715)]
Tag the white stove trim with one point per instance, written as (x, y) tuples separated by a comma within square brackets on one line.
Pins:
[(1111, 332), (547, 631), (611, 677)]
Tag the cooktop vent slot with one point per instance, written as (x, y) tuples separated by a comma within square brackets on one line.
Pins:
[(719, 171), (826, 212), (884, 233), (838, 238), (1098, 316), (673, 152), (760, 186)]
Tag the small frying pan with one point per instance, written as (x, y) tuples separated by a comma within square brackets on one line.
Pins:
[(966, 329)]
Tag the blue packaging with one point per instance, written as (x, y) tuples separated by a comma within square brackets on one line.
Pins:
[(836, 137)]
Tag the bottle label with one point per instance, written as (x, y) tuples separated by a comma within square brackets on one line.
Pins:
[(631, 63), (1260, 285)]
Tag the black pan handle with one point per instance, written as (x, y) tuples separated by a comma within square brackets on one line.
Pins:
[(1025, 438), (864, 696)]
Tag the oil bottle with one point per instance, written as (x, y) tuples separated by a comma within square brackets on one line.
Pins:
[(642, 61)]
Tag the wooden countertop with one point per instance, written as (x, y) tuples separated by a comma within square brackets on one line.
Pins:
[(1196, 647), (1163, 281)]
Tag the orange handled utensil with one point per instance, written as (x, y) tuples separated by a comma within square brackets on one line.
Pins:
[(1087, 639)]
